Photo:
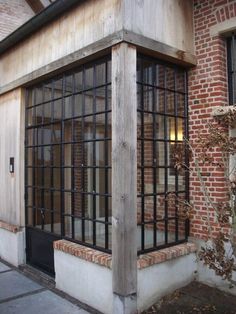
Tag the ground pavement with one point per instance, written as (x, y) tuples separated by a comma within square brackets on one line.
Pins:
[(21, 295)]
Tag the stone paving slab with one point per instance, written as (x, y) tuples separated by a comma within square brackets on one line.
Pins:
[(42, 302), (13, 284), (3, 267)]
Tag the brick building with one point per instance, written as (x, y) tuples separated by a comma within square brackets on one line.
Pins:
[(94, 98)]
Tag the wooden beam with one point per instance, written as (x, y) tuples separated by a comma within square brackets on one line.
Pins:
[(124, 175), (36, 5), (144, 45)]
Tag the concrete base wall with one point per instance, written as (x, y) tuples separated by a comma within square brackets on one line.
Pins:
[(88, 282), (208, 277), (158, 280), (92, 284), (12, 246)]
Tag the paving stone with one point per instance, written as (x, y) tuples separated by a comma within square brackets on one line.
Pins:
[(40, 303), (13, 284), (3, 267)]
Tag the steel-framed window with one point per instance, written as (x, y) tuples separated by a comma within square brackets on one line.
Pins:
[(68, 155), (162, 126), (231, 61)]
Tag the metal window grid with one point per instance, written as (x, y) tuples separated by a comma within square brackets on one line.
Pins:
[(231, 62), (47, 112), (160, 78)]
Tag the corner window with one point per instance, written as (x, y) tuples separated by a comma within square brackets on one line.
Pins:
[(231, 57), (162, 126)]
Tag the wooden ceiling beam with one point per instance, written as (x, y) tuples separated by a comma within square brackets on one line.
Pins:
[(36, 5)]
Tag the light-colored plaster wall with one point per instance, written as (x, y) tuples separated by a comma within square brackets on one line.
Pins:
[(12, 145), (159, 280), (92, 284), (88, 282), (12, 246)]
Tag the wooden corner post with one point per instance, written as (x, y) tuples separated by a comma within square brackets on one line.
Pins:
[(124, 179)]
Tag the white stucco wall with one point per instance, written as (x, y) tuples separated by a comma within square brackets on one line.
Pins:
[(88, 282), (158, 280), (12, 246), (92, 284)]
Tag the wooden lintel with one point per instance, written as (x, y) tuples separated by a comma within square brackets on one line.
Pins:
[(160, 50), (143, 44)]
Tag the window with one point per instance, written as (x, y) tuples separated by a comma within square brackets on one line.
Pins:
[(231, 57), (162, 125), (68, 155)]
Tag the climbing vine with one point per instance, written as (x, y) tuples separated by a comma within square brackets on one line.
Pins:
[(214, 149)]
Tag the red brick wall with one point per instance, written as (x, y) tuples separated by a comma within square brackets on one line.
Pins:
[(13, 13), (207, 88)]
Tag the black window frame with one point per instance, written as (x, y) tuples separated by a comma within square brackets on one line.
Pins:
[(145, 84), (34, 126)]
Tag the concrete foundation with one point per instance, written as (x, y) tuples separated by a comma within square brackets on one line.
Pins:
[(158, 280), (12, 246), (88, 282), (92, 283), (124, 305)]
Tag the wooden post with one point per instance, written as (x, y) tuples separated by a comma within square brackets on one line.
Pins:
[(124, 179)]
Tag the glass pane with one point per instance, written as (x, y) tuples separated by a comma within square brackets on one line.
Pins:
[(47, 92), (171, 230), (68, 226), (57, 88), (38, 95), (39, 114), (181, 229), (159, 75), (68, 109), (160, 100), (57, 110), (100, 234), (147, 72), (160, 227), (30, 117), (56, 155), (100, 74), (68, 85), (170, 103), (180, 80), (88, 231), (170, 78), (57, 178), (78, 229), (89, 77), (78, 81), (160, 127), (57, 222), (78, 103), (148, 235), (89, 107)]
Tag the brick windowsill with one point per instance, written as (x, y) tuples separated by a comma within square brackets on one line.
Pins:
[(166, 254), (83, 252), (9, 227), (143, 261)]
